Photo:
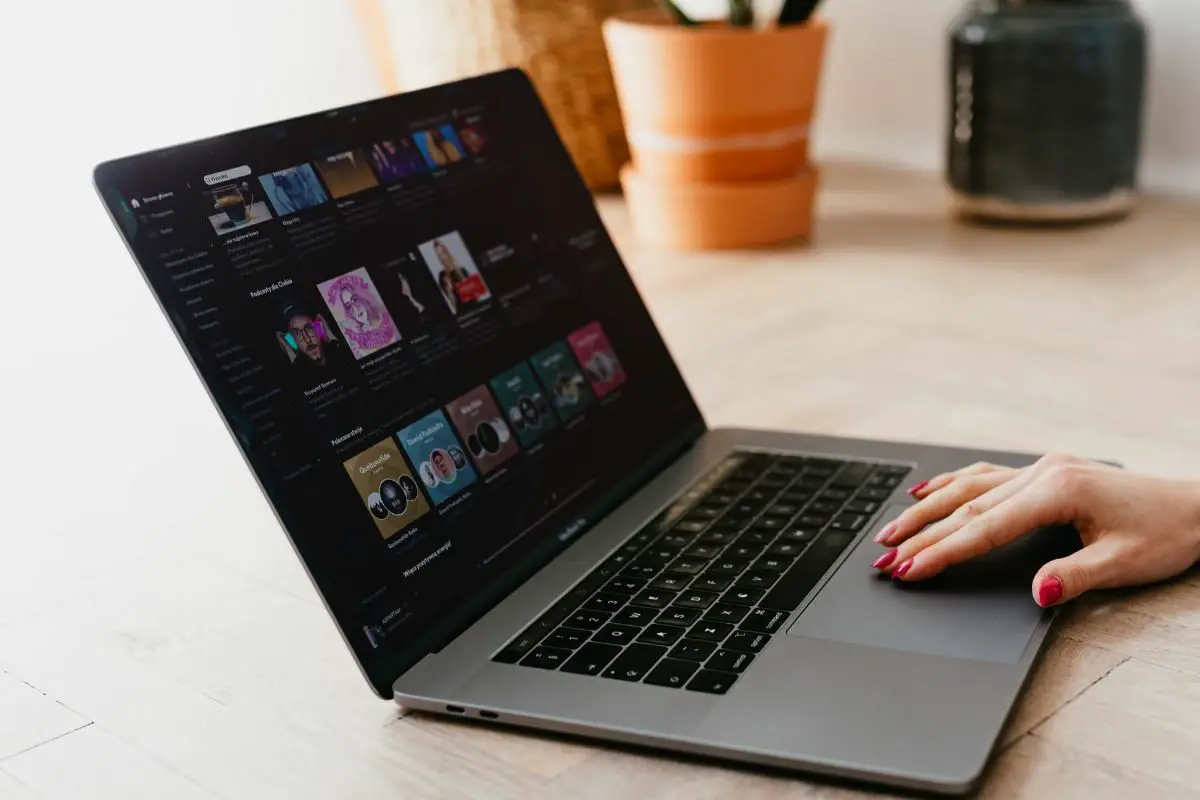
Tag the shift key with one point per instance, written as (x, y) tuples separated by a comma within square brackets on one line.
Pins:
[(799, 580)]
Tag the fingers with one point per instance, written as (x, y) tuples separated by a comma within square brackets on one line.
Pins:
[(1095, 566), (1006, 513), (926, 488), (941, 503)]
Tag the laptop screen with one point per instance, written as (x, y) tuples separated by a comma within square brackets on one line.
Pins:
[(420, 335)]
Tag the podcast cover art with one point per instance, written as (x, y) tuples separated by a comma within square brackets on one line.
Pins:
[(440, 460), (561, 377), (488, 438), (599, 362), (387, 487), (524, 404), (356, 307)]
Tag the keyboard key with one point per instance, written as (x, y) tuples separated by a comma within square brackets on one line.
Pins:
[(712, 583), (710, 631), (546, 658), (746, 641), (757, 537), (591, 658), (671, 672), (741, 596), (704, 551), (688, 566), (617, 634), (634, 663), (862, 506), (587, 620), (810, 483), (661, 634), (670, 583), (823, 506), (693, 650), (723, 612), (728, 566), (769, 524), (764, 620), (711, 682), (771, 563), (677, 539), (615, 562), (722, 499), (729, 523), (852, 475), (702, 514), (798, 535), (653, 598), (848, 522), (757, 580), (798, 581), (813, 520), (602, 601), (624, 586), (788, 550), (518, 648), (632, 615), (824, 466), (874, 494), (796, 497), (691, 526), (567, 638), (784, 509), (696, 599), (662, 553), (894, 469), (719, 538), (729, 660), (746, 551), (643, 571), (678, 616)]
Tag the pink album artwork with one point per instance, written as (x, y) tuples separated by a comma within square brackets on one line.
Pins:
[(597, 358), (363, 319)]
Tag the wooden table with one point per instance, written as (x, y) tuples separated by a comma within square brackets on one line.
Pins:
[(158, 638)]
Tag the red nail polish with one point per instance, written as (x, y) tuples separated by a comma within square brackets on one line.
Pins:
[(1050, 592), (918, 487), (887, 531), (885, 560), (903, 569)]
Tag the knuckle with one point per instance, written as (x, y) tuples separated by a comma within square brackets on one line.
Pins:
[(970, 511), (1066, 478), (1051, 460)]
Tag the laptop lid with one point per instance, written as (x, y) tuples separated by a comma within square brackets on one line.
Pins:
[(422, 339)]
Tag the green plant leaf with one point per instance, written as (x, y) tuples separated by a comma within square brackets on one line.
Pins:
[(677, 13)]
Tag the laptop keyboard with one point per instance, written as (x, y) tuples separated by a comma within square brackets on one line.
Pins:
[(689, 606)]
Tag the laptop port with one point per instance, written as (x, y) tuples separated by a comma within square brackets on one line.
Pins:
[(456, 709), (489, 715)]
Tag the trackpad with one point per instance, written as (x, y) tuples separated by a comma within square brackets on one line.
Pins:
[(981, 610)]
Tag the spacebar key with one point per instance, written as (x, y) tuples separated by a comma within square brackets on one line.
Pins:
[(798, 581)]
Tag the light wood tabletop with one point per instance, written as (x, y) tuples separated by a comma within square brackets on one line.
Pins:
[(158, 638)]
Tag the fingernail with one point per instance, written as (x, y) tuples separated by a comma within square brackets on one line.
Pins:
[(887, 531), (885, 560), (902, 570), (1050, 592), (918, 487)]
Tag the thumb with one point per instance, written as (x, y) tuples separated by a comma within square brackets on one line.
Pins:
[(1066, 578)]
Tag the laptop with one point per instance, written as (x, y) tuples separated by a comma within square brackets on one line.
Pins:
[(413, 323)]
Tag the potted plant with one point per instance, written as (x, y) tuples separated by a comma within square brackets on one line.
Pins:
[(717, 114)]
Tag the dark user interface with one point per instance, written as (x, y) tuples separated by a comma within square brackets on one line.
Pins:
[(418, 331)]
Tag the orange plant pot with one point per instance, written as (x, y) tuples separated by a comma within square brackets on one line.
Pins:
[(714, 102), (695, 215)]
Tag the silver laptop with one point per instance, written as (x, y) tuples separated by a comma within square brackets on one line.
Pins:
[(427, 348)]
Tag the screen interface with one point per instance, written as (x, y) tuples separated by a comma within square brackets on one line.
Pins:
[(416, 328)]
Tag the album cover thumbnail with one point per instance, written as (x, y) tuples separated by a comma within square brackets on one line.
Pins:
[(524, 404), (236, 205), (440, 146), (440, 460), (305, 336), (560, 375), (356, 307), (397, 159), (483, 429), (599, 362), (387, 487), (293, 189), (450, 262), (346, 173)]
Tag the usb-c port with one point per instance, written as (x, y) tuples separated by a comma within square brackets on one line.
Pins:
[(489, 715), (456, 709)]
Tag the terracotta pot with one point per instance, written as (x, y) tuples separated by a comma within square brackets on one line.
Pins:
[(714, 102), (696, 215)]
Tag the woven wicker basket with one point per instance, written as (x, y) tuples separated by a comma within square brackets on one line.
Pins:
[(558, 42)]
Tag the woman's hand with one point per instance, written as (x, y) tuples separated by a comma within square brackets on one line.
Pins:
[(1135, 529)]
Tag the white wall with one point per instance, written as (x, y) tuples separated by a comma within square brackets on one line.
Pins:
[(894, 114)]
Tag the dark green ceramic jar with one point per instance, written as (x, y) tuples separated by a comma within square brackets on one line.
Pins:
[(1046, 101)]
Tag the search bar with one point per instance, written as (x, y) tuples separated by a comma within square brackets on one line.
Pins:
[(227, 175)]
